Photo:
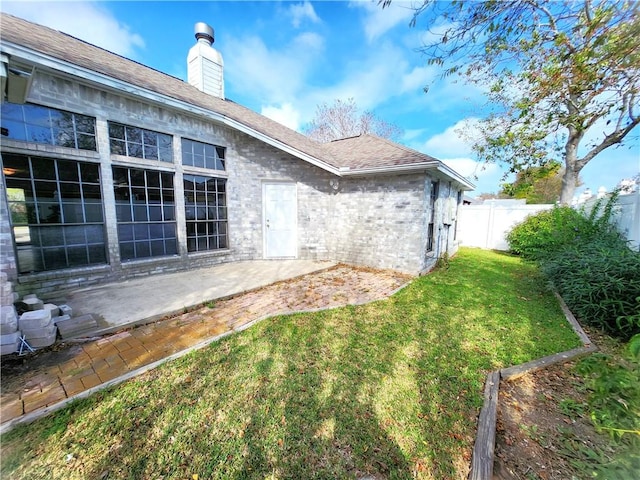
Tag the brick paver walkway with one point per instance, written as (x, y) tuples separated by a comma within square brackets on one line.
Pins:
[(62, 374)]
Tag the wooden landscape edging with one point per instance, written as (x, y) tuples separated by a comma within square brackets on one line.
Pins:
[(484, 447), (482, 460)]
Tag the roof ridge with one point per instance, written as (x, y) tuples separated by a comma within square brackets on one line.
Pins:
[(345, 138)]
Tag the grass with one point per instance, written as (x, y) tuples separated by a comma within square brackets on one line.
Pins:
[(386, 390)]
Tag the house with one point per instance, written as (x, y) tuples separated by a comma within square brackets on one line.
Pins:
[(112, 170)]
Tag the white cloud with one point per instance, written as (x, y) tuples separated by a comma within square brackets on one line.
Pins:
[(379, 20), (412, 134), (302, 11), (417, 79), (470, 168), (379, 77), (273, 76), (285, 114), (453, 147), (487, 177), (309, 41), (455, 141), (88, 21)]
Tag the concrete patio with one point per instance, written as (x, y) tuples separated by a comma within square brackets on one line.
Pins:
[(142, 300), (38, 384)]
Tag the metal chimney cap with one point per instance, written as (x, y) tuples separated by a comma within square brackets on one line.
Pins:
[(202, 30)]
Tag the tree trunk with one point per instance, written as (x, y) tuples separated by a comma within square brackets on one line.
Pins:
[(572, 169), (569, 182)]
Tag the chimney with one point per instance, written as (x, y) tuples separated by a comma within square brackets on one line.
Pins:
[(204, 63)]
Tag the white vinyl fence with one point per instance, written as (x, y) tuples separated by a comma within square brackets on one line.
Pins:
[(486, 225), (626, 216)]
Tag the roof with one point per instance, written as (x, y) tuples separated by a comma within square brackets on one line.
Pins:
[(369, 151), (62, 51)]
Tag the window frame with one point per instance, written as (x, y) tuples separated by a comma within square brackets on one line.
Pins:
[(138, 142), (146, 226), (211, 232), (82, 126), (216, 156), (54, 241), (433, 197)]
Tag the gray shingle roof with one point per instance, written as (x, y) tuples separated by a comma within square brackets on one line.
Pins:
[(369, 151), (357, 153), (70, 49)]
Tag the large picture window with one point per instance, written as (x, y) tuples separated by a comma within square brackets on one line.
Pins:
[(56, 212), (145, 212), (204, 155), (206, 213), (33, 123), (140, 143)]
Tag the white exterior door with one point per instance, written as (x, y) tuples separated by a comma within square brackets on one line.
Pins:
[(280, 213)]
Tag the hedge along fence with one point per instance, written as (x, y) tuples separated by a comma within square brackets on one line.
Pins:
[(487, 225), (625, 216), (588, 261)]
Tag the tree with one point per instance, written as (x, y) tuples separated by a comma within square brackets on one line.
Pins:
[(491, 196), (564, 77), (541, 184), (343, 120)]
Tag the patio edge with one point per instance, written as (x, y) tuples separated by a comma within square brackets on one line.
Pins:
[(43, 412)]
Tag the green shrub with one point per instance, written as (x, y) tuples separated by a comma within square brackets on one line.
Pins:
[(546, 232), (588, 261), (614, 391), (600, 282)]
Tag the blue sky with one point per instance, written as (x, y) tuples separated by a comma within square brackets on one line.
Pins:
[(284, 58)]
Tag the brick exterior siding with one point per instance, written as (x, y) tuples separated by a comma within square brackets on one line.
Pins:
[(375, 221)]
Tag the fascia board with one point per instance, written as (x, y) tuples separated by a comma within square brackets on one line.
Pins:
[(56, 65), (409, 168), (466, 184)]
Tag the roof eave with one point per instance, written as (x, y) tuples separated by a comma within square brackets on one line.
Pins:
[(464, 183), (410, 168), (387, 169), (57, 65)]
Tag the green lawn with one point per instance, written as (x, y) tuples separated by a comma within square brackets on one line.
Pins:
[(390, 390)]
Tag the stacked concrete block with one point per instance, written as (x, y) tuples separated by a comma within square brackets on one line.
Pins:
[(9, 334), (74, 327), (54, 309), (65, 310), (7, 295), (32, 303), (8, 320), (37, 326)]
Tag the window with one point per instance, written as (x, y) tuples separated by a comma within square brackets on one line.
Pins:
[(431, 228), (33, 123), (206, 213), (198, 154), (56, 212), (458, 203), (140, 143), (145, 212)]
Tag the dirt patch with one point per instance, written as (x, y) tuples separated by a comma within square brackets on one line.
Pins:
[(543, 428), (15, 367)]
